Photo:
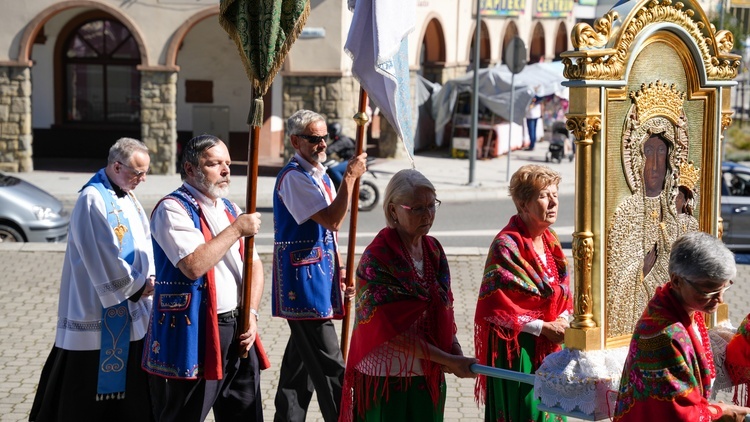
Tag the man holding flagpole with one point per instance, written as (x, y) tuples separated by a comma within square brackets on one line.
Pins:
[(307, 276)]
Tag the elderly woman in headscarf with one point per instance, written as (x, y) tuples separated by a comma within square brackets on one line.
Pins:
[(404, 337), (524, 298), (670, 367)]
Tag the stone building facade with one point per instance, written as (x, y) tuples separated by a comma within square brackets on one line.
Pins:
[(178, 74)]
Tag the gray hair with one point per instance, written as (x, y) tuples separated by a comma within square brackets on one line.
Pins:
[(194, 149), (299, 121), (700, 256), (402, 187), (124, 149)]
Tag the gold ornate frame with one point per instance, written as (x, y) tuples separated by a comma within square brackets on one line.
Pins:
[(624, 49)]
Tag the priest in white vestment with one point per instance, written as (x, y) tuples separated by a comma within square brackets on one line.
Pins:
[(93, 372)]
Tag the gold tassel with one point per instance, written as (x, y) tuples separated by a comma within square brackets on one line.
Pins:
[(172, 324), (161, 320), (188, 320), (255, 118)]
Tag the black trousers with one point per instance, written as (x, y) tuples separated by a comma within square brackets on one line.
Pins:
[(312, 362), (67, 389), (236, 397)]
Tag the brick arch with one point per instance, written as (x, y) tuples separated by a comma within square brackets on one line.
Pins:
[(36, 25), (485, 55), (561, 40), (537, 44), (511, 31), (179, 35), (433, 35)]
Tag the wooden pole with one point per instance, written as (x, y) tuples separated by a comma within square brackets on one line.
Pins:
[(361, 119), (251, 196)]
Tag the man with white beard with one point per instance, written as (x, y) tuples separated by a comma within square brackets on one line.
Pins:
[(198, 250)]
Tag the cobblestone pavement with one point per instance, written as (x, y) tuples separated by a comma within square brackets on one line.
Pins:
[(28, 306)]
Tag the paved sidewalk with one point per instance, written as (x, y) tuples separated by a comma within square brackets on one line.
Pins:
[(28, 305), (449, 175)]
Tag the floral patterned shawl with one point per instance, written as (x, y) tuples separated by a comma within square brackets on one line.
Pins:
[(392, 300), (667, 375), (516, 290)]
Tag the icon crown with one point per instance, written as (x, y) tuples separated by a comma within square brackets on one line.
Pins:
[(689, 175), (658, 99)]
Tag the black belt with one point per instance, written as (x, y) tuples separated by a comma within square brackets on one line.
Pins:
[(226, 316)]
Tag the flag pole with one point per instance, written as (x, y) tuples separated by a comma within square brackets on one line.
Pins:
[(251, 196), (361, 119)]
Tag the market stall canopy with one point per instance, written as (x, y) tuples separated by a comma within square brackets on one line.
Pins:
[(535, 80)]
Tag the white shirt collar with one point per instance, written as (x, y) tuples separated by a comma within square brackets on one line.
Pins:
[(316, 170)]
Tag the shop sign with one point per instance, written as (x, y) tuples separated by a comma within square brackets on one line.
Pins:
[(502, 7), (553, 8)]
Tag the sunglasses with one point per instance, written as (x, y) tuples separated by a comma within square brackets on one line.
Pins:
[(314, 139)]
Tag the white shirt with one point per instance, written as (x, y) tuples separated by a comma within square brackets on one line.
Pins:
[(302, 198), (94, 276), (534, 111), (175, 232)]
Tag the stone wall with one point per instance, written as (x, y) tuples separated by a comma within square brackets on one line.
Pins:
[(159, 119), (15, 119), (335, 97)]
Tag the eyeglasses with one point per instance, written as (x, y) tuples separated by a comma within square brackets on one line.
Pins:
[(712, 295), (136, 173), (421, 210), (314, 139)]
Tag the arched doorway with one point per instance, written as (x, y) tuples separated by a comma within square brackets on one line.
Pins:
[(561, 40), (536, 48), (432, 53), (511, 31), (484, 47), (96, 89)]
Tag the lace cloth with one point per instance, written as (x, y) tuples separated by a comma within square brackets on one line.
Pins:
[(720, 337), (584, 381), (588, 381)]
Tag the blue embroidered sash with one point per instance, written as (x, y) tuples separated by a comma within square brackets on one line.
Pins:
[(115, 336)]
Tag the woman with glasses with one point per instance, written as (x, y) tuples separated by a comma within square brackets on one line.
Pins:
[(670, 367), (404, 337), (524, 297)]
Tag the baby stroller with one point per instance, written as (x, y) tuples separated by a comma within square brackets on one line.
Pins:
[(560, 146)]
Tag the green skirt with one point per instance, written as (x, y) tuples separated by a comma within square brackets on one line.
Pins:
[(402, 401), (513, 401)]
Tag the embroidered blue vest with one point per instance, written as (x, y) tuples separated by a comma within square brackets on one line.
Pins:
[(174, 346), (305, 263)]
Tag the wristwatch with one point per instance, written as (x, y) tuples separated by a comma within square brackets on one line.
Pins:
[(255, 312)]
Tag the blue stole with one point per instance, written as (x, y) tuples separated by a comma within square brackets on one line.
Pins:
[(305, 264), (115, 337)]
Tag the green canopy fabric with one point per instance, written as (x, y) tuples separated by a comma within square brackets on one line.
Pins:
[(264, 31)]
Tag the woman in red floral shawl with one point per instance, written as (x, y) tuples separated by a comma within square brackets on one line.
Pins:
[(404, 334), (524, 298), (670, 367)]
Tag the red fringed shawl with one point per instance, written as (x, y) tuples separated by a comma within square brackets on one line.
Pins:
[(738, 361), (515, 289), (667, 375), (393, 301)]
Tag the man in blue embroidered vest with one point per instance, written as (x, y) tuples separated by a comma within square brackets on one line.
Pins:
[(93, 371), (307, 277), (198, 250)]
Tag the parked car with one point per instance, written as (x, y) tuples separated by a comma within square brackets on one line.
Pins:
[(29, 214), (735, 205)]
